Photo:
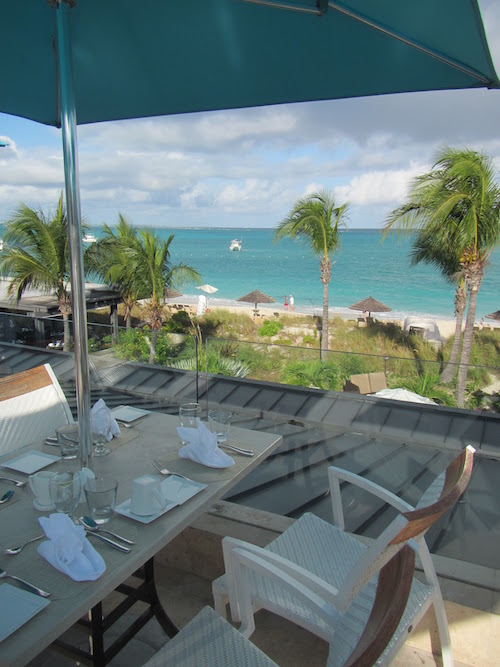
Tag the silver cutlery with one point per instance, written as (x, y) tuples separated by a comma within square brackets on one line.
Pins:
[(15, 550), (238, 450), (17, 482), (52, 442), (26, 584), (6, 497), (162, 470), (111, 543), (89, 523)]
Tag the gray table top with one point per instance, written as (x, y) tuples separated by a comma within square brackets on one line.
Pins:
[(154, 436)]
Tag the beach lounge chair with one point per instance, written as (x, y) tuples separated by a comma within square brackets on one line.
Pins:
[(32, 406), (210, 641), (320, 577)]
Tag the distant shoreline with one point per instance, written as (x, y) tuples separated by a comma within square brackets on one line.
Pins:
[(445, 325)]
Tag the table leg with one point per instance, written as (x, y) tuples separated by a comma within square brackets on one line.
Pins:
[(98, 624)]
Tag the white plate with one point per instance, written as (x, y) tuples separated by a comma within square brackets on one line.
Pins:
[(124, 509), (21, 605), (176, 491), (127, 413), (31, 461)]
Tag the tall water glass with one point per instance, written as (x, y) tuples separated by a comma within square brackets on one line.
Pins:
[(65, 489), (188, 414), (101, 427)]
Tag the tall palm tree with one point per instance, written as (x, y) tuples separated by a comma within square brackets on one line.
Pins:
[(108, 258), (458, 203), (36, 255), (138, 263), (317, 220), (426, 250)]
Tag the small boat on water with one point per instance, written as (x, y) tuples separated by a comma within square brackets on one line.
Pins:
[(235, 245), (89, 238)]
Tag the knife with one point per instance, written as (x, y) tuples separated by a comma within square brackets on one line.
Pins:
[(111, 543), (238, 450)]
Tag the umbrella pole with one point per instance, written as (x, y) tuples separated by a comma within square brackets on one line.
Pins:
[(70, 154)]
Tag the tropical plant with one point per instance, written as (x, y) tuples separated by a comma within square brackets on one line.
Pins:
[(317, 220), (428, 385), (108, 259), (270, 328), (138, 263), (457, 204), (36, 255), (312, 373)]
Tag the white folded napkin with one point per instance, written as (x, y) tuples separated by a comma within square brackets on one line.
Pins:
[(68, 550), (202, 447), (96, 414)]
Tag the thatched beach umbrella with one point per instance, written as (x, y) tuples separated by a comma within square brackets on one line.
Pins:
[(171, 293), (370, 305), (494, 316), (256, 297)]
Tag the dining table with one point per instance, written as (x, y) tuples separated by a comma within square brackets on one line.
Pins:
[(152, 436)]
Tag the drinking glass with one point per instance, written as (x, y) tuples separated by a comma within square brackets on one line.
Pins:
[(101, 426), (219, 422), (101, 498), (188, 413), (65, 489)]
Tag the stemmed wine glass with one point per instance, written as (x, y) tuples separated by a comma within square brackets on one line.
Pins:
[(101, 426), (65, 489)]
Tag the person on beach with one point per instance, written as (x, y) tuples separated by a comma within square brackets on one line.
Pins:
[(285, 305), (292, 302)]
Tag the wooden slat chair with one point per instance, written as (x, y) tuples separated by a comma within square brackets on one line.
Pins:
[(210, 641), (32, 406), (315, 558)]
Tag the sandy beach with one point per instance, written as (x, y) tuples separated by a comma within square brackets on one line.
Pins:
[(445, 326)]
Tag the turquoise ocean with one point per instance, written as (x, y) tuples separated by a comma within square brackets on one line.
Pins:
[(364, 266)]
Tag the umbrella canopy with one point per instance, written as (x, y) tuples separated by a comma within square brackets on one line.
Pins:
[(64, 62), (494, 316), (181, 57), (256, 297), (209, 289), (401, 394), (370, 305), (171, 293)]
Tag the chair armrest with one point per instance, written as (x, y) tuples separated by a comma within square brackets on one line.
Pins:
[(242, 557), (335, 475)]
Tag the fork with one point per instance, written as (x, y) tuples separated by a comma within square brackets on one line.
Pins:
[(26, 584), (161, 469)]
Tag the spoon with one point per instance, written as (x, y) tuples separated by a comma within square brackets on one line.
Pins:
[(89, 523), (15, 550), (6, 497), (17, 482)]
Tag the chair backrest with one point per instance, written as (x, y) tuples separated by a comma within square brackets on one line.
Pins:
[(393, 589), (32, 406), (408, 526)]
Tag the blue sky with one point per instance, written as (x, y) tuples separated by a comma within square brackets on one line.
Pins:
[(246, 168)]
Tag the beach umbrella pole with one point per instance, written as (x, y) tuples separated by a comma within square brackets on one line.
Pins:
[(70, 155)]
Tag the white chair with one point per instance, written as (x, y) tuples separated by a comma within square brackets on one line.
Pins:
[(32, 406), (210, 641), (315, 561)]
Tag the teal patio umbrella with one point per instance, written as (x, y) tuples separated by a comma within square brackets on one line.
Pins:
[(65, 62)]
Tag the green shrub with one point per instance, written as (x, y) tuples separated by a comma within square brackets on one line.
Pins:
[(270, 328), (180, 322), (313, 373)]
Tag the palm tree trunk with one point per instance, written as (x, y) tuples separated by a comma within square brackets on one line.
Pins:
[(128, 320), (152, 347), (463, 368), (451, 367), (324, 332), (67, 333)]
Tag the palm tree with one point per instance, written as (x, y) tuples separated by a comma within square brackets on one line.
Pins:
[(108, 258), (317, 220), (426, 250), (457, 203), (140, 266), (36, 255)]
